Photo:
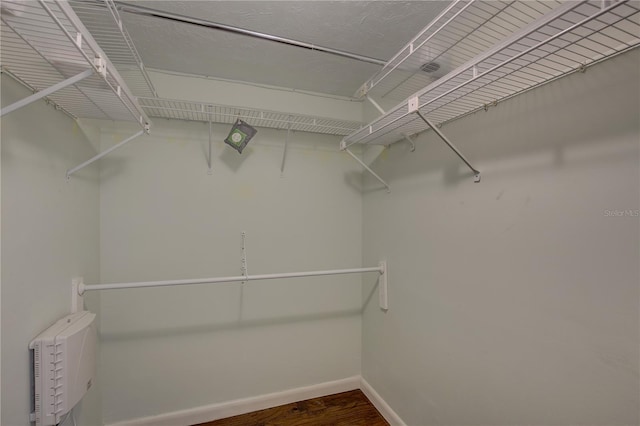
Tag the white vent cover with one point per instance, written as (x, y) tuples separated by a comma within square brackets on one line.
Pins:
[(64, 365)]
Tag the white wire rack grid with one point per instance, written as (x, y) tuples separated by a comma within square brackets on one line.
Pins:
[(102, 19), (196, 111), (571, 37), (463, 30), (44, 43)]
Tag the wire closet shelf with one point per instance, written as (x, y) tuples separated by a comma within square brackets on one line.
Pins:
[(199, 111), (46, 46), (103, 20), (460, 32), (569, 38)]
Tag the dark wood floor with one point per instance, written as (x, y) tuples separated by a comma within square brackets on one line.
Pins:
[(342, 409)]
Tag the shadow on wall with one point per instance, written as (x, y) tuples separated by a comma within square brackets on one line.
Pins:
[(370, 293), (240, 323), (570, 94), (168, 333), (233, 159), (13, 91), (353, 179)]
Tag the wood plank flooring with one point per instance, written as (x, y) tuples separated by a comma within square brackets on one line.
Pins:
[(342, 409)]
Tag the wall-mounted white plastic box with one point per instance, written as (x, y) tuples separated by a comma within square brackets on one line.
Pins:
[(64, 366)]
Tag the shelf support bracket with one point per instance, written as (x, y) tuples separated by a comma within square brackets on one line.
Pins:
[(375, 104), (209, 163), (286, 144), (46, 92), (476, 172), (355, 157), (413, 144), (105, 152), (243, 265), (77, 300), (383, 298)]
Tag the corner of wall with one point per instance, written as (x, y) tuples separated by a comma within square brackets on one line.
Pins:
[(48, 222)]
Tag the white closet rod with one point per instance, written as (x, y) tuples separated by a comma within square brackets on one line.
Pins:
[(81, 287)]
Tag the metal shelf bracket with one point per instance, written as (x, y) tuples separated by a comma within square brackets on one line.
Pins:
[(209, 162), (105, 152), (383, 298), (46, 92), (367, 168), (286, 144), (413, 144), (77, 299), (375, 104), (244, 269), (476, 172)]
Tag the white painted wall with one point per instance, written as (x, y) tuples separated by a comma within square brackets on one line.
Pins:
[(511, 301), (49, 235), (163, 217), (515, 300)]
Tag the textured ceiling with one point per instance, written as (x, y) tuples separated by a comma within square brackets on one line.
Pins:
[(374, 28)]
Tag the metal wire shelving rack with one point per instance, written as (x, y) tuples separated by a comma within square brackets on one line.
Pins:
[(225, 114), (46, 46), (569, 38), (461, 31), (105, 24)]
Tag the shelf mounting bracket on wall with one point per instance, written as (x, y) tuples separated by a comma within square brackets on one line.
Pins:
[(411, 142), (46, 92), (244, 268), (367, 168), (77, 299), (286, 144), (209, 163), (375, 104), (106, 151), (413, 107)]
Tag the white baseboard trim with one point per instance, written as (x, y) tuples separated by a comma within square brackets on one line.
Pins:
[(236, 407), (387, 412)]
